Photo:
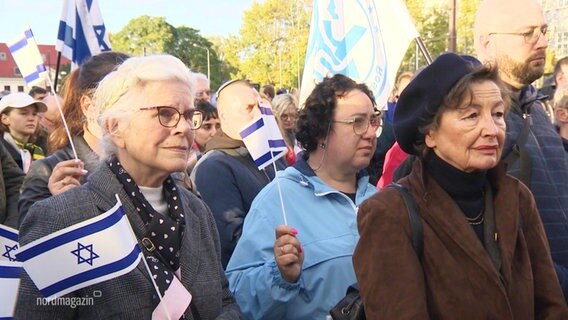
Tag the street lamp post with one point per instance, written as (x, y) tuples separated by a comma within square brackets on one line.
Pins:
[(208, 60)]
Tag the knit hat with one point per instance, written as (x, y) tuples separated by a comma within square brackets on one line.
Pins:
[(20, 100), (421, 99)]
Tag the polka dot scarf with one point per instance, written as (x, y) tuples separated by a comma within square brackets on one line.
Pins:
[(164, 232)]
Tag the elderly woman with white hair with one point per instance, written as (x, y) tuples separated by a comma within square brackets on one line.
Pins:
[(148, 118)]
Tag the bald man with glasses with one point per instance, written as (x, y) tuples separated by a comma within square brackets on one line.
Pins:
[(512, 34)]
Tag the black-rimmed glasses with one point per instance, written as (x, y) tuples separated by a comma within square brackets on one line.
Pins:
[(169, 117), (530, 37), (361, 123)]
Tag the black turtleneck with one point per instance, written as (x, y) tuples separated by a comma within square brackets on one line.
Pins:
[(466, 189)]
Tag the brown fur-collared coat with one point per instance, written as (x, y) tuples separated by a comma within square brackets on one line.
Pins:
[(456, 278)]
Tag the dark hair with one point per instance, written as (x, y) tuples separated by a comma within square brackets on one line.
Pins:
[(268, 91), (315, 118), (459, 93), (558, 67), (209, 111), (37, 90), (80, 82)]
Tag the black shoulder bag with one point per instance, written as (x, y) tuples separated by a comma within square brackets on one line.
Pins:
[(351, 306)]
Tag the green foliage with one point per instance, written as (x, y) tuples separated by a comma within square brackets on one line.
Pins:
[(144, 35), (271, 45), (153, 35)]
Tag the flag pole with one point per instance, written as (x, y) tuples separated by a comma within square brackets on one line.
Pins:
[(423, 49), (279, 190), (57, 71)]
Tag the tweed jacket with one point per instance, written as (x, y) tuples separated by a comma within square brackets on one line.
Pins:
[(128, 296), (11, 177), (34, 187), (455, 277)]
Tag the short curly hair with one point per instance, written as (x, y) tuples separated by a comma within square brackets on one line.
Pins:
[(315, 118)]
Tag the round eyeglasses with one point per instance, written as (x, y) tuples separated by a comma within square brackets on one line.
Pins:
[(531, 37), (169, 117), (361, 124)]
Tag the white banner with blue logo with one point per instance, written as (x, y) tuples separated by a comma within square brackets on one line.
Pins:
[(9, 285), (82, 32), (26, 55), (362, 39), (8, 243), (86, 253), (263, 139)]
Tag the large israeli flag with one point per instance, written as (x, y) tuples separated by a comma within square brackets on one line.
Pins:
[(28, 58), (8, 243), (82, 32), (362, 39), (87, 253), (9, 285), (263, 138)]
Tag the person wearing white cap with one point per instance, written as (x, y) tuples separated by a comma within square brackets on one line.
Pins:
[(20, 120)]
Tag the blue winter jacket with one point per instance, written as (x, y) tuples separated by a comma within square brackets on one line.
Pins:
[(327, 229), (548, 174)]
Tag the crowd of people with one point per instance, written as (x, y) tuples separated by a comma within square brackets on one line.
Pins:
[(482, 154)]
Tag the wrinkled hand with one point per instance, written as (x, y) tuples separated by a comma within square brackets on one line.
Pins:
[(66, 175), (288, 253)]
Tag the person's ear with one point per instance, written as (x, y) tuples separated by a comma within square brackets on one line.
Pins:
[(114, 133), (5, 119), (561, 115), (85, 101), (430, 139)]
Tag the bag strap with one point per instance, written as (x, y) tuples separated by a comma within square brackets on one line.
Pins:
[(414, 216)]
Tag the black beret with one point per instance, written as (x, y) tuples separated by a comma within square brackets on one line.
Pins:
[(421, 99)]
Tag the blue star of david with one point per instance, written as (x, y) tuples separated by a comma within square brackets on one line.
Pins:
[(89, 249), (8, 250)]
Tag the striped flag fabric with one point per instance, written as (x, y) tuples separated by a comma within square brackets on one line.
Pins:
[(363, 39), (82, 32), (8, 243), (9, 285), (28, 58), (263, 138), (90, 252)]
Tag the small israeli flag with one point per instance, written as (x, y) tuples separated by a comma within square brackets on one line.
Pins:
[(82, 32), (263, 139), (26, 55), (87, 253)]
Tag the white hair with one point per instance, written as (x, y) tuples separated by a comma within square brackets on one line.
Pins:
[(115, 93)]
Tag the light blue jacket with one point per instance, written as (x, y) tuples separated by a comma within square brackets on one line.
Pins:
[(327, 229)]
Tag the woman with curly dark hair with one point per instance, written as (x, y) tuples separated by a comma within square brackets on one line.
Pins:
[(268, 274)]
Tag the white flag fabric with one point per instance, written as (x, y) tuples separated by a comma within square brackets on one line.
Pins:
[(8, 243), (263, 139), (362, 39), (93, 251), (9, 285), (82, 32), (26, 55)]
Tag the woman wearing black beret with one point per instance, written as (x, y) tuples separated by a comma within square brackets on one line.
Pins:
[(485, 254)]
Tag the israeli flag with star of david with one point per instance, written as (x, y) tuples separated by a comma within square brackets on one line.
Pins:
[(82, 32), (263, 138), (363, 39), (90, 252), (8, 243)]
